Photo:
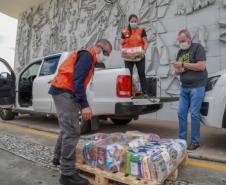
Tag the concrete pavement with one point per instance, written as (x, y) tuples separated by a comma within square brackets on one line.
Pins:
[(28, 170), (15, 170)]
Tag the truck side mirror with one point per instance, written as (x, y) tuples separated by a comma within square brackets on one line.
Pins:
[(5, 76)]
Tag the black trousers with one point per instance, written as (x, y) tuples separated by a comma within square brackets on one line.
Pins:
[(141, 71)]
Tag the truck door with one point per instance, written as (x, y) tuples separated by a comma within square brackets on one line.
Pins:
[(42, 101), (7, 84)]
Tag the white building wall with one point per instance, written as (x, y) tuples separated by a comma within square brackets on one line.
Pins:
[(61, 25)]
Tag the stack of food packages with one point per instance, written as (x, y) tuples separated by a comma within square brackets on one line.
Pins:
[(134, 153)]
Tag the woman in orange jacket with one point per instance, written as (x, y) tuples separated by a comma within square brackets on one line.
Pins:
[(134, 45)]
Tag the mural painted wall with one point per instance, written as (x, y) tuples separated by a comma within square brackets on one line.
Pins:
[(62, 25)]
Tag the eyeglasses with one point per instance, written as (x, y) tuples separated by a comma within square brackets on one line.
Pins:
[(105, 53)]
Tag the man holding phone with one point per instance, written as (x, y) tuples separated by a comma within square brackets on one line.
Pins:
[(191, 66)]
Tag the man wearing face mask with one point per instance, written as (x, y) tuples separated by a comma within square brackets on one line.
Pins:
[(68, 90), (191, 66)]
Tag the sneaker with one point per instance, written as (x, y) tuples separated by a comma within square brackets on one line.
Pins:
[(56, 161), (74, 179), (193, 146)]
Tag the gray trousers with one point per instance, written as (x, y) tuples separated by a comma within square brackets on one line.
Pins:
[(68, 118)]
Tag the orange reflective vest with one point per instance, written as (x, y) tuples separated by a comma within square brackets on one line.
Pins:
[(133, 40), (64, 78)]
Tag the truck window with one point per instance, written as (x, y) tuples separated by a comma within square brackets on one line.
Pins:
[(31, 71), (49, 65), (26, 80)]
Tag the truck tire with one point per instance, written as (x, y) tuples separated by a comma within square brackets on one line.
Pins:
[(121, 121), (85, 126), (6, 114)]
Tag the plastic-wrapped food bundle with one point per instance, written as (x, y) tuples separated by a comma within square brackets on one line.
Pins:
[(182, 143), (175, 147), (90, 152), (134, 153), (158, 165), (90, 148), (106, 153), (147, 169), (101, 156), (165, 154), (136, 134), (136, 143), (138, 161), (95, 137), (153, 165), (117, 138), (173, 151), (110, 157), (153, 137), (80, 157), (115, 153), (156, 158), (134, 161), (79, 151)]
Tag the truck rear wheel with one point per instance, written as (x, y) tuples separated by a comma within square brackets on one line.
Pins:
[(121, 121), (7, 114)]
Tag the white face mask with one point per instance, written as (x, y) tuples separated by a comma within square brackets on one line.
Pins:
[(184, 45), (101, 58)]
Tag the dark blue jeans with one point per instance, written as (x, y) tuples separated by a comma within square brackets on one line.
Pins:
[(190, 98)]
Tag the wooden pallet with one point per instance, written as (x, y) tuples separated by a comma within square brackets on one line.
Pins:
[(99, 177)]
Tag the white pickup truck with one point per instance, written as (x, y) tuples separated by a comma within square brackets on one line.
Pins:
[(108, 93), (213, 109)]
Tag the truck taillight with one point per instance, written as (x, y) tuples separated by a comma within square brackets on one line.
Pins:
[(124, 85)]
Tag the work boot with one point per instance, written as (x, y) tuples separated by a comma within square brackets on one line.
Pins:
[(193, 146), (74, 179), (56, 161)]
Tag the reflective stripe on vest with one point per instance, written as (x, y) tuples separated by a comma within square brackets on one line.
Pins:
[(133, 40), (64, 77)]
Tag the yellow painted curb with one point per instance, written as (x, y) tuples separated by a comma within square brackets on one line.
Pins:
[(206, 165), (30, 130)]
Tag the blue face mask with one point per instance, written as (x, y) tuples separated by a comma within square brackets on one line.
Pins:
[(133, 25)]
